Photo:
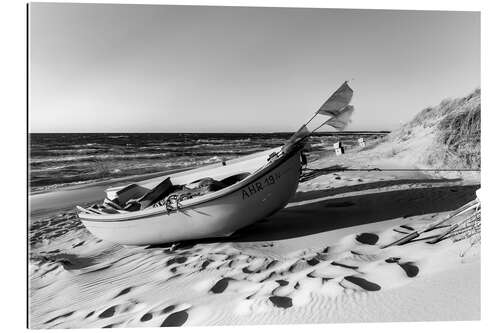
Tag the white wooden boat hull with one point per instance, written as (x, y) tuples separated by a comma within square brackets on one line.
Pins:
[(219, 214)]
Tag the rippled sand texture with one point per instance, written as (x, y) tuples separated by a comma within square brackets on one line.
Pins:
[(318, 260)]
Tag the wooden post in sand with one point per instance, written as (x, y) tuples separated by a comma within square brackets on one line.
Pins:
[(339, 150), (361, 142)]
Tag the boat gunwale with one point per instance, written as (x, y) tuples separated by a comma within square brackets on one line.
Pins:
[(186, 171), (203, 199)]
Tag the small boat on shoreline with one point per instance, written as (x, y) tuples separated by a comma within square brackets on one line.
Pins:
[(211, 201), (267, 186)]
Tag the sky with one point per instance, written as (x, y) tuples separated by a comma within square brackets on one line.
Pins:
[(160, 68)]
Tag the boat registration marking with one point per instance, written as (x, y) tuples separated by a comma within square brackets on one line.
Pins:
[(258, 186)]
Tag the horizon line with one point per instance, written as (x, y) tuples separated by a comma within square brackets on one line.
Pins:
[(155, 132)]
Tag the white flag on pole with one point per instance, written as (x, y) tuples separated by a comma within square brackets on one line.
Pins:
[(341, 118)]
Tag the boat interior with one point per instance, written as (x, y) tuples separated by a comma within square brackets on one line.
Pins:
[(170, 190)]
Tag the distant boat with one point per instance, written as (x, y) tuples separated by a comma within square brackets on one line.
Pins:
[(211, 201)]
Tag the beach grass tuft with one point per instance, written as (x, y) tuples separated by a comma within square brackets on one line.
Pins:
[(456, 127)]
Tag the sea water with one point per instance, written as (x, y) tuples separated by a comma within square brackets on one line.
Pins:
[(58, 160)]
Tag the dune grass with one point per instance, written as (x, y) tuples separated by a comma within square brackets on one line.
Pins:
[(458, 141), (461, 134), (456, 127)]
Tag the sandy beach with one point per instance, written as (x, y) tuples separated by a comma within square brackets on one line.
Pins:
[(276, 164), (319, 260)]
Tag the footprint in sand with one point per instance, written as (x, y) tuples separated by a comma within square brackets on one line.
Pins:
[(176, 260), (146, 317), (392, 260), (367, 238), (365, 284), (282, 282), (175, 319), (109, 312), (123, 292), (168, 309), (221, 285), (59, 317), (151, 314), (205, 264), (409, 267), (313, 262), (281, 301)]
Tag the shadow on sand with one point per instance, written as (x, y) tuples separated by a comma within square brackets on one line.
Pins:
[(309, 195), (339, 213)]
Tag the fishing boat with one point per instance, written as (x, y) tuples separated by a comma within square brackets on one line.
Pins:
[(211, 201)]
